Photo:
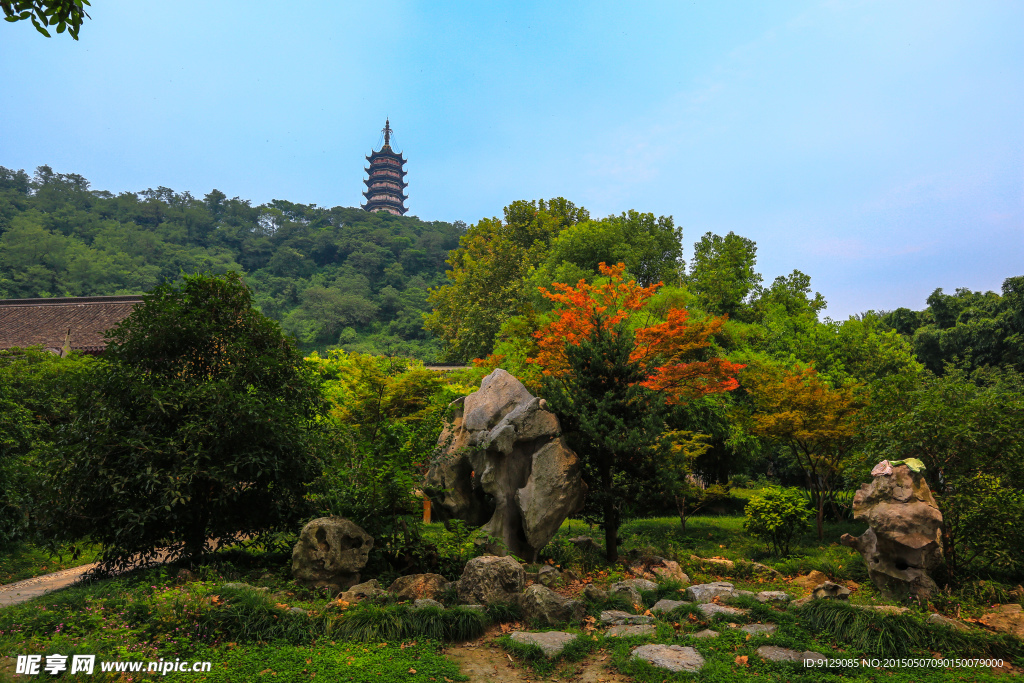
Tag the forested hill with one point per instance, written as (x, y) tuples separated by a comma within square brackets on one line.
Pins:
[(330, 276)]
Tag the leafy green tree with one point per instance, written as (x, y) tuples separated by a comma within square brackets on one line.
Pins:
[(34, 405), (486, 284), (63, 15), (777, 515), (722, 274), (199, 424)]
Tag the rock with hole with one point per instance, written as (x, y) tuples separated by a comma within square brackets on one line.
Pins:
[(903, 543), (506, 467), (330, 553)]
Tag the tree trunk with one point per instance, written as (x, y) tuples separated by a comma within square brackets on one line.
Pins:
[(611, 519), (821, 516), (681, 505)]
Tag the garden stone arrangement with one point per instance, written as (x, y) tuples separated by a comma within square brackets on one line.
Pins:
[(506, 467), (903, 542), (330, 553)]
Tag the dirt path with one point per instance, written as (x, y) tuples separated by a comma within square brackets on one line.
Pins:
[(22, 591), (485, 661)]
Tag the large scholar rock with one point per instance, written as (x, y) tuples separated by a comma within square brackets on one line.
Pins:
[(488, 579), (903, 542), (330, 553), (506, 467)]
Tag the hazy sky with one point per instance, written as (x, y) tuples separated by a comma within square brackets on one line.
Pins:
[(876, 146)]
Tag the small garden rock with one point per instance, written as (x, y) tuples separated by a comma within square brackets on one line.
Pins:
[(362, 591), (546, 606), (666, 605), (1005, 619), (719, 562), (235, 585), (490, 578), (426, 602), (773, 653), (706, 592), (639, 584), (625, 590), (888, 609), (831, 591), (549, 576), (772, 596), (626, 631), (759, 629), (810, 581), (298, 611), (417, 586), (710, 609), (614, 617), (946, 621), (551, 642), (706, 633), (670, 571), (586, 544), (671, 657), (592, 592)]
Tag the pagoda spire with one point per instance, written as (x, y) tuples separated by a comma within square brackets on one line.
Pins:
[(386, 184)]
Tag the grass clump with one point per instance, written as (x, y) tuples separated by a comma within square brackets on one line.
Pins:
[(368, 622), (898, 635)]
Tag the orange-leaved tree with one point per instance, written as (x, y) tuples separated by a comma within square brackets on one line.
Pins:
[(614, 382), (816, 421)]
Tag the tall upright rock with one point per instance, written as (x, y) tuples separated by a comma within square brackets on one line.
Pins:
[(506, 467), (903, 542)]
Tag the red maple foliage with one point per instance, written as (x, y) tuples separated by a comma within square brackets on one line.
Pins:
[(665, 351)]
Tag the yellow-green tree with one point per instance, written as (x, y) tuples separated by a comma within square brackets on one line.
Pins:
[(818, 424)]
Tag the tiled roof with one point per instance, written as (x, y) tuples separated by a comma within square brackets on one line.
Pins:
[(45, 322)]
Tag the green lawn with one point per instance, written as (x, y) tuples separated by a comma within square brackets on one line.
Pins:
[(27, 560)]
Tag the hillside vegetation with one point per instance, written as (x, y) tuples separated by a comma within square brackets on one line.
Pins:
[(329, 276)]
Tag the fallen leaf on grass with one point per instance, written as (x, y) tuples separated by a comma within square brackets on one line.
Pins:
[(741, 660), (412, 671)]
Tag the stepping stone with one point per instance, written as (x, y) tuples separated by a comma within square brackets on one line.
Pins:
[(773, 653), (772, 596), (671, 657), (706, 633), (710, 609), (638, 584), (706, 592), (666, 605), (551, 642), (759, 629), (614, 617), (630, 631), (426, 602)]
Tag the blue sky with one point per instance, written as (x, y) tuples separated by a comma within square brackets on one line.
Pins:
[(876, 146)]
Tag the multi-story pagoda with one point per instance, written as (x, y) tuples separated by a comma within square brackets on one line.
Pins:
[(387, 178)]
